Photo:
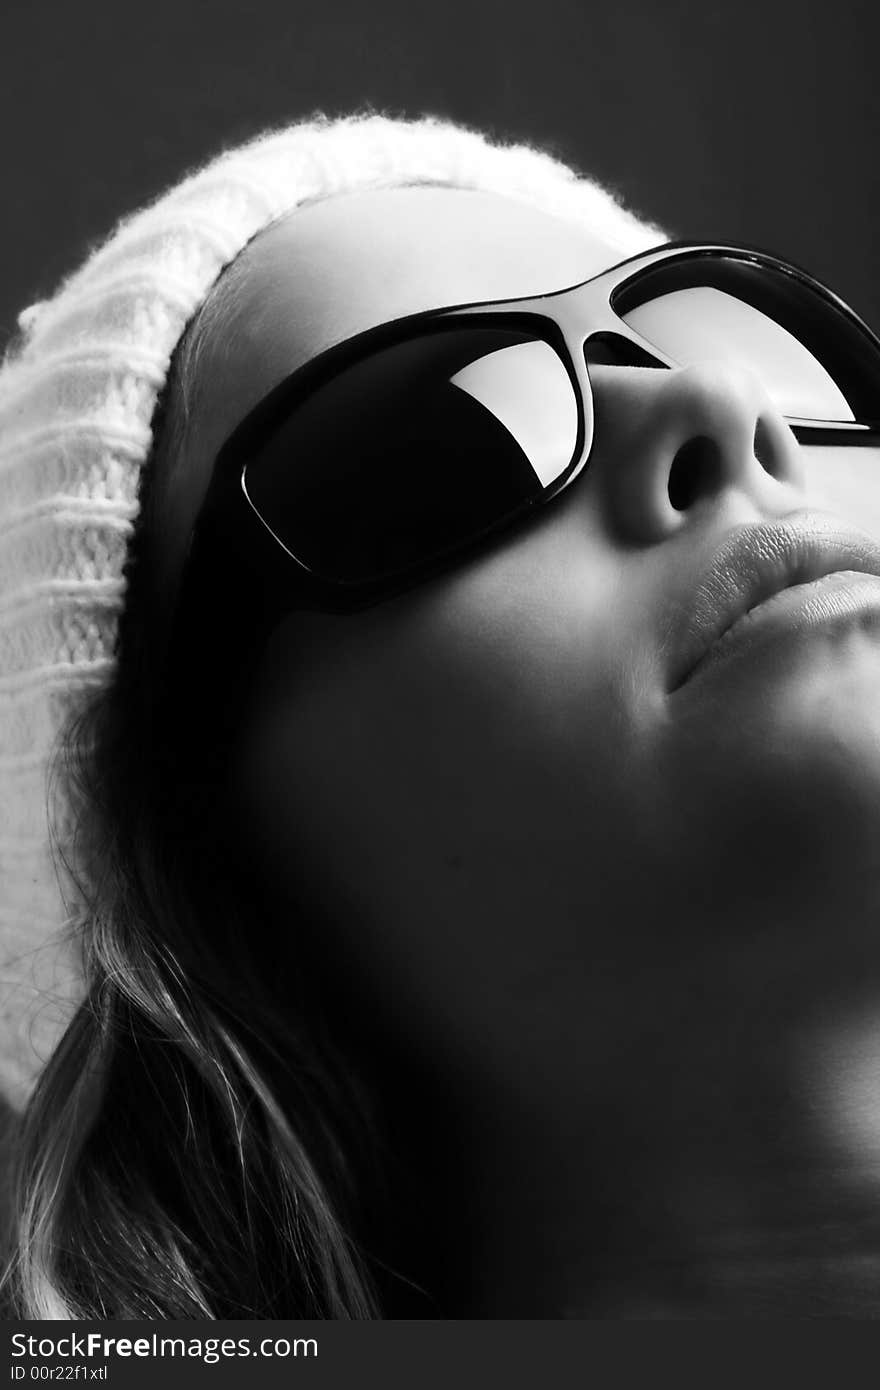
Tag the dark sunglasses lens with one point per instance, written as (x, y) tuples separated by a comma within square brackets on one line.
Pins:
[(815, 359), (414, 450)]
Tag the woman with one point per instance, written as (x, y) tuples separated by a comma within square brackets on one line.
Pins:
[(472, 850)]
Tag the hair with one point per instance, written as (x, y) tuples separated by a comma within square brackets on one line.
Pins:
[(175, 1161)]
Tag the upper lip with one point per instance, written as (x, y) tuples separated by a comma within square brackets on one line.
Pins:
[(758, 561)]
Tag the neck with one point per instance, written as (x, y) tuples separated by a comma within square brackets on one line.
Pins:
[(738, 1178), (718, 1241)]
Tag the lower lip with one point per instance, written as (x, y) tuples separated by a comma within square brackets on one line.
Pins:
[(825, 607)]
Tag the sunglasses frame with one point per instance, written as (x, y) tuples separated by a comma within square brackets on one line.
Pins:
[(567, 319)]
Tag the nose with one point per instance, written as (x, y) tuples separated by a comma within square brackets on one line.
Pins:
[(670, 443)]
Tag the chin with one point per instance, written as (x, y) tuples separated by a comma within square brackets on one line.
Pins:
[(776, 774), (823, 714), (803, 698)]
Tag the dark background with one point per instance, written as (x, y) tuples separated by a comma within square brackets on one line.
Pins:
[(751, 121)]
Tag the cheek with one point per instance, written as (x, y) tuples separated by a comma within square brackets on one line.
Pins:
[(452, 740), (474, 708), (449, 786)]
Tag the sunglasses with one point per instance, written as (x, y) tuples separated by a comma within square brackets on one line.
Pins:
[(399, 451)]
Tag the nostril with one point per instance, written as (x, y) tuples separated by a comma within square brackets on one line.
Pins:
[(696, 472), (762, 448)]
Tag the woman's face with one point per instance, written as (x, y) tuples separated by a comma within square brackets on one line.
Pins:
[(509, 826)]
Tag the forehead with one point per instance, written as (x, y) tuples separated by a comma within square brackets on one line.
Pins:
[(351, 262)]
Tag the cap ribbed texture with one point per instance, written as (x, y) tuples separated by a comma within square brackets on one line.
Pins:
[(77, 395)]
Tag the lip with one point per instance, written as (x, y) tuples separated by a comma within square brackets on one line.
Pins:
[(755, 564)]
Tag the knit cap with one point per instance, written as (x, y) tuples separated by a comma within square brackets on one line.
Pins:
[(78, 390)]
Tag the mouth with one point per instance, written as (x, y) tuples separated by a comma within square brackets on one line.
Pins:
[(754, 565)]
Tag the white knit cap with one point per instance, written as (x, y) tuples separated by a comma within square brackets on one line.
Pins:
[(77, 396)]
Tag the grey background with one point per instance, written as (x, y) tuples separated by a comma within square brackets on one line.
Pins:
[(755, 121)]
